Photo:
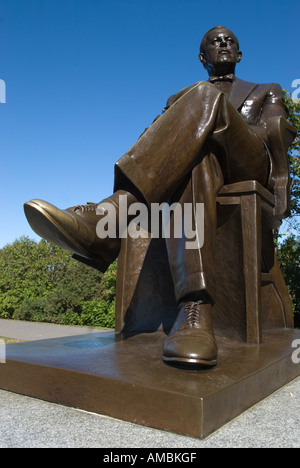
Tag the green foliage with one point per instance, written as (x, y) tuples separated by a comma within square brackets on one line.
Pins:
[(41, 282), (94, 312), (289, 260), (289, 248)]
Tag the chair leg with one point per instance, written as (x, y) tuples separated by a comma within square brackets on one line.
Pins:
[(251, 232)]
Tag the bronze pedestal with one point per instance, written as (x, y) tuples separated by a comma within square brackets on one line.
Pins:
[(126, 378)]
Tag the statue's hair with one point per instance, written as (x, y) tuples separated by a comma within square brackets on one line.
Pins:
[(203, 42)]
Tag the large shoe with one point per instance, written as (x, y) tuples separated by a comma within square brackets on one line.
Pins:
[(74, 229), (191, 342)]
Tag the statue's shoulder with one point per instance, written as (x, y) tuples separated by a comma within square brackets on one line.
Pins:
[(260, 88)]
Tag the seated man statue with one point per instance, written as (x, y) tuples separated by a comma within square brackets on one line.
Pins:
[(210, 134)]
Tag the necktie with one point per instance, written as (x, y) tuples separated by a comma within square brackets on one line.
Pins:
[(214, 79)]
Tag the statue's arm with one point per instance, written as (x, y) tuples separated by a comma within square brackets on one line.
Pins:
[(273, 106)]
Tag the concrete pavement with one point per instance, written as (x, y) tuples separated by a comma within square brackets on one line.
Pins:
[(39, 331)]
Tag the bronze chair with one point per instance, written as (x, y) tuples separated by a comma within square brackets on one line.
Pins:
[(261, 210), (260, 295)]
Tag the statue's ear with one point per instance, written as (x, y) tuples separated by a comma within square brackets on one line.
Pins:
[(239, 55), (202, 59)]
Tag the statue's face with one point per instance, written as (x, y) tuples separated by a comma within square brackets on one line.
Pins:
[(221, 51)]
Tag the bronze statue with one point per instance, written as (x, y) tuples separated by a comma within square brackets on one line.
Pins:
[(210, 134)]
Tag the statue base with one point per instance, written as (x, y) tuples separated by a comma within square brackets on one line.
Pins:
[(126, 378)]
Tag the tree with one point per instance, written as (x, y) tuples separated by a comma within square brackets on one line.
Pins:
[(41, 282), (289, 259), (294, 158), (289, 235)]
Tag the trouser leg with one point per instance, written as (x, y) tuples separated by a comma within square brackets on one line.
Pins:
[(170, 149), (192, 269)]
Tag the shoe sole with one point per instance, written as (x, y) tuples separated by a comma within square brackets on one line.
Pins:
[(190, 362), (46, 227)]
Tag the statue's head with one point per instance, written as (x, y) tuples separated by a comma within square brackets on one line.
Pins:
[(219, 51)]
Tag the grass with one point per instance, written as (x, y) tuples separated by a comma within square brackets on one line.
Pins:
[(10, 340)]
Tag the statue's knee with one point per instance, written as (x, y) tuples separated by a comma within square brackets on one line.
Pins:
[(207, 88), (203, 90)]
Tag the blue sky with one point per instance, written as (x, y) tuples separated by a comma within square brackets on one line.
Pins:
[(85, 77)]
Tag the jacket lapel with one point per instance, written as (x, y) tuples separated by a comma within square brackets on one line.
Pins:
[(240, 91)]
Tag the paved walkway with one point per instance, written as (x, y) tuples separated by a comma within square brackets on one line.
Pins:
[(28, 422), (38, 331)]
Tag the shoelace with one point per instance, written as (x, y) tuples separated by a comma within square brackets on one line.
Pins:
[(90, 206), (192, 313)]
